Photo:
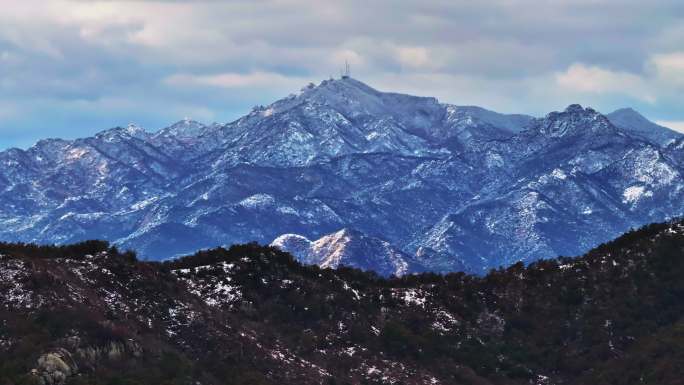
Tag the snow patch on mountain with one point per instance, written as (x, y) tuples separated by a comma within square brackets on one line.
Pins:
[(346, 248), (633, 194), (258, 201)]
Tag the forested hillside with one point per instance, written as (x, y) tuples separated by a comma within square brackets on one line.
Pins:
[(89, 314)]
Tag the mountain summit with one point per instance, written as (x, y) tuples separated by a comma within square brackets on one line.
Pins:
[(438, 186), (575, 120), (345, 116), (633, 122)]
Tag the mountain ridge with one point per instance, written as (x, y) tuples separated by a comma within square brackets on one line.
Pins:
[(88, 313), (631, 120), (427, 177)]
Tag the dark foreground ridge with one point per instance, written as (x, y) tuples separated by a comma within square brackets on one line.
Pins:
[(89, 314)]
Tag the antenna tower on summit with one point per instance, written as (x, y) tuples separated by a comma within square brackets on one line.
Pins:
[(345, 74)]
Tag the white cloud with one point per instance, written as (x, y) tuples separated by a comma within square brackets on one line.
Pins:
[(415, 57), (669, 67), (594, 79), (234, 80), (516, 56), (673, 124)]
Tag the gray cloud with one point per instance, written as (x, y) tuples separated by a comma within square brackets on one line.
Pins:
[(70, 68)]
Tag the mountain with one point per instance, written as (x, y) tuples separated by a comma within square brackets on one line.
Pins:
[(89, 314), (347, 248), (633, 122), (448, 187), (576, 176)]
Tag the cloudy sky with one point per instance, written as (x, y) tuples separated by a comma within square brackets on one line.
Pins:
[(72, 68)]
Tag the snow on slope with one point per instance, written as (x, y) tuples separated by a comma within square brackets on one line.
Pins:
[(346, 248), (452, 187)]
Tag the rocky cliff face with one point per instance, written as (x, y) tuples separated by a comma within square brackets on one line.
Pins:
[(451, 187)]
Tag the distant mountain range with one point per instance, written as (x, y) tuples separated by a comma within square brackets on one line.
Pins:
[(417, 185)]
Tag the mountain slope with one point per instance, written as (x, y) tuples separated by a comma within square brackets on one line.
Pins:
[(633, 122), (453, 187), (252, 315), (347, 248), (578, 179)]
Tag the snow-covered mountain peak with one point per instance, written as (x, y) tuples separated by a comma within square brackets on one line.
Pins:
[(183, 129), (574, 120), (575, 111), (577, 108), (134, 130), (45, 151), (345, 116), (474, 115), (355, 99), (340, 86), (50, 143), (339, 94), (347, 247), (295, 244), (131, 131)]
